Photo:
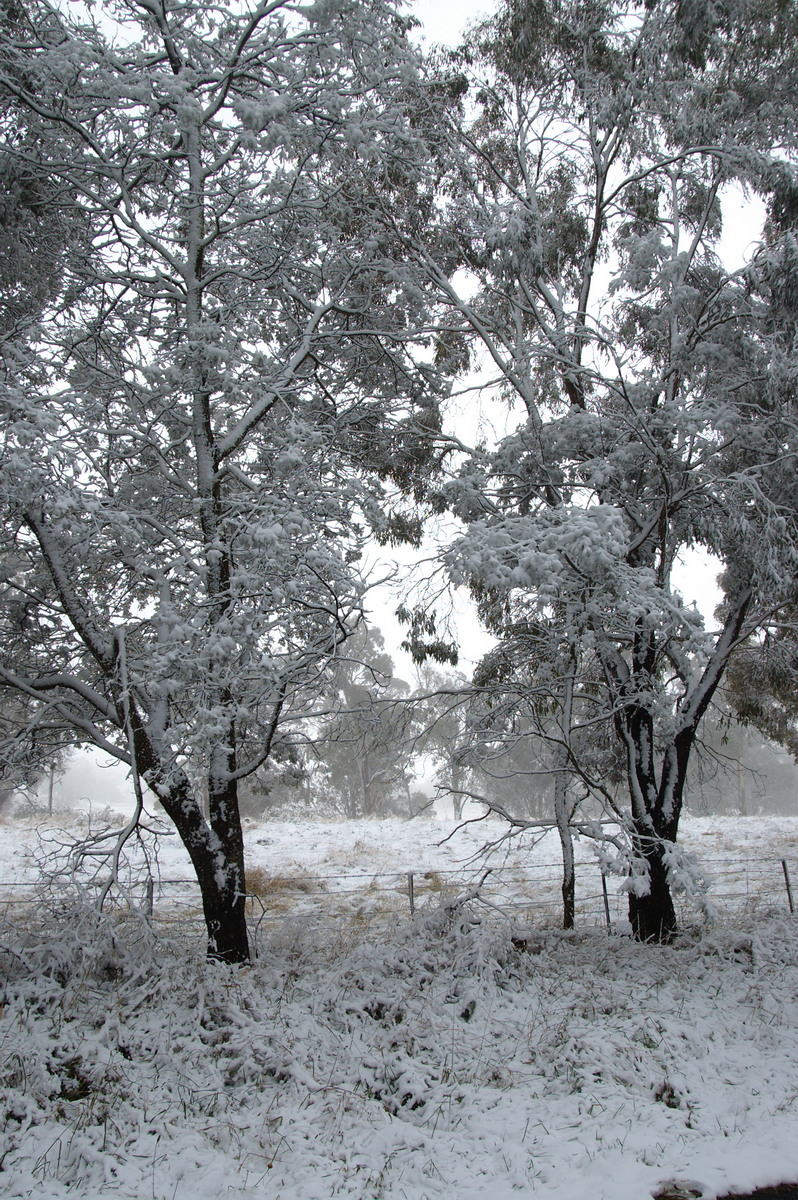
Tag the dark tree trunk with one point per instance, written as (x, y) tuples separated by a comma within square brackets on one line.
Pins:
[(216, 848), (217, 855), (568, 900), (658, 806), (218, 860), (224, 909), (224, 891), (653, 916)]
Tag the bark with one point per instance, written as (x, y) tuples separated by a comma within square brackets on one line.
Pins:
[(561, 812), (215, 847), (566, 843), (653, 916), (224, 909), (218, 862), (568, 891), (225, 903)]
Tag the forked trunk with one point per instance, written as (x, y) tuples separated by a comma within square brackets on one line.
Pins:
[(218, 862), (657, 796), (216, 849), (217, 857)]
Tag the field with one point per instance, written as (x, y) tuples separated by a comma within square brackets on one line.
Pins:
[(471, 1051)]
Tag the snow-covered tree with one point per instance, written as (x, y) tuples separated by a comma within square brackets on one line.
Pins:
[(200, 421), (585, 202)]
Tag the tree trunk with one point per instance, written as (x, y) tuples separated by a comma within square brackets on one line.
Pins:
[(653, 916), (657, 806), (741, 796), (216, 849), (224, 894), (224, 909), (568, 896), (218, 862), (457, 800), (567, 845), (218, 859), (561, 780)]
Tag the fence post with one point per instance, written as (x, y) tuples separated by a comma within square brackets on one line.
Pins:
[(787, 882), (148, 900), (606, 899), (411, 893)]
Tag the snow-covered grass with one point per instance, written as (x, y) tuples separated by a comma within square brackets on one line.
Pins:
[(409, 1060)]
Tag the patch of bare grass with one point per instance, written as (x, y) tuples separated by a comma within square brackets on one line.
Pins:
[(264, 883)]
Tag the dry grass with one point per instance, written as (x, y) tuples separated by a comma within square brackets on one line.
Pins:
[(263, 883)]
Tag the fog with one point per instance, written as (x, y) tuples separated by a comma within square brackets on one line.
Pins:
[(92, 781)]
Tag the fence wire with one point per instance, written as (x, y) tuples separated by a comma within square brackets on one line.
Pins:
[(527, 897)]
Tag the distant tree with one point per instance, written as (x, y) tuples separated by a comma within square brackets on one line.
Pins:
[(280, 784), (441, 716), (365, 748), (738, 769), (200, 431), (29, 762)]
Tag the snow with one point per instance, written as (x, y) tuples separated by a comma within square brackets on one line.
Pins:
[(368, 1055)]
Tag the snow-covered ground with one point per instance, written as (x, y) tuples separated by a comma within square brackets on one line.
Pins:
[(368, 1055)]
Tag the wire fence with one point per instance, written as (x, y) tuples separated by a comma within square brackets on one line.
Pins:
[(526, 896)]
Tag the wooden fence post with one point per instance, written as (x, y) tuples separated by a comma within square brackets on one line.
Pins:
[(606, 899), (411, 893), (787, 882)]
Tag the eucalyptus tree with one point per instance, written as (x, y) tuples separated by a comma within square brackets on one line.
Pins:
[(199, 429), (365, 746), (585, 203)]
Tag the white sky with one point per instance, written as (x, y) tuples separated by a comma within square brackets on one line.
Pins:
[(443, 21)]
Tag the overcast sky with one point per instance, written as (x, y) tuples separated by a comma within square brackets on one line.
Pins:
[(443, 21)]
